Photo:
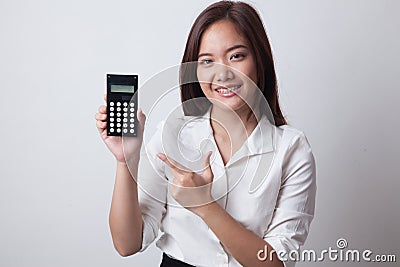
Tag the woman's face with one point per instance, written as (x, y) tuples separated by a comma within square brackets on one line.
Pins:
[(226, 67)]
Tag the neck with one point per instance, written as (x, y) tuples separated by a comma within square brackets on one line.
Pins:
[(233, 122)]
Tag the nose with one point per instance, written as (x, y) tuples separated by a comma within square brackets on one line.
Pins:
[(223, 73)]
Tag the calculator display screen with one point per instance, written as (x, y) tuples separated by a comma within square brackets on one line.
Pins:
[(115, 88)]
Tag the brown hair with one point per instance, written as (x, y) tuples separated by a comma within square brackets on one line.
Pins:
[(248, 22)]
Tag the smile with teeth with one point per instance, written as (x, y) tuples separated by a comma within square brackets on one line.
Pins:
[(228, 89)]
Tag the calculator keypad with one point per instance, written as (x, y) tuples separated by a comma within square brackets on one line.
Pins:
[(121, 119)]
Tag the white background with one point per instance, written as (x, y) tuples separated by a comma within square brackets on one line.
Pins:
[(338, 69)]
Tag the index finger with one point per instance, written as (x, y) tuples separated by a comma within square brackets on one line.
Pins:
[(102, 109), (172, 163)]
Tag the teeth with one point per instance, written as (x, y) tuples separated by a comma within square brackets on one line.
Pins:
[(223, 91), (227, 90)]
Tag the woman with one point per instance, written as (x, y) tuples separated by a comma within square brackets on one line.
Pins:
[(252, 204)]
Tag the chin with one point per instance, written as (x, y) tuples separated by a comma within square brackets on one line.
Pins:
[(228, 105)]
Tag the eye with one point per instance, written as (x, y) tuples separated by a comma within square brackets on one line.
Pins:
[(237, 56), (205, 61)]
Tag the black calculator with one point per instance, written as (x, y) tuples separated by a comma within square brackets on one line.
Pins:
[(122, 104)]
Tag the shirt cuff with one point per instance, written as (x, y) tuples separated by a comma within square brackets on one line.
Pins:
[(280, 250), (148, 231)]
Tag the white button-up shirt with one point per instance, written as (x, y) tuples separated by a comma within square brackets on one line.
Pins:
[(268, 186)]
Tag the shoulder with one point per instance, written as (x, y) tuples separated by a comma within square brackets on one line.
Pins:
[(294, 152), (289, 137)]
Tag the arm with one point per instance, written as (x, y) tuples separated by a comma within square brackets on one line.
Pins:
[(125, 217), (213, 214), (125, 214), (138, 205), (294, 209)]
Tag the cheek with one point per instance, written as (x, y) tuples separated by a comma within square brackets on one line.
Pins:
[(249, 69), (251, 72), (205, 87), (205, 78), (204, 75)]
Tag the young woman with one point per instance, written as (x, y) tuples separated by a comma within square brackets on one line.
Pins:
[(253, 201)]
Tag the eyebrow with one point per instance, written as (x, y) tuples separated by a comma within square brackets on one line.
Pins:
[(228, 50)]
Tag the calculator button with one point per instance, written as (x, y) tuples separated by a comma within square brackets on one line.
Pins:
[(118, 119), (118, 125), (125, 120), (125, 125), (132, 114), (111, 108), (125, 115), (112, 130), (112, 114), (111, 103), (111, 124), (125, 109), (132, 104), (132, 130), (125, 130), (118, 130), (132, 120), (111, 119), (119, 114), (125, 104), (131, 109), (131, 125), (118, 104), (118, 109)]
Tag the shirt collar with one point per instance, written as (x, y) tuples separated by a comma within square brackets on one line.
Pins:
[(260, 140)]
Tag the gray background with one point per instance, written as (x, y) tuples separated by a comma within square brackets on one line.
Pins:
[(338, 70)]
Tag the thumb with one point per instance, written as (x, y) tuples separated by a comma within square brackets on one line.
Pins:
[(207, 172)]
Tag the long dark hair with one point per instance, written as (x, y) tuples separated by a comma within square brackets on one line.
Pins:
[(249, 23)]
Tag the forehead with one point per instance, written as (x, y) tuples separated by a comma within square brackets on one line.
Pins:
[(220, 36)]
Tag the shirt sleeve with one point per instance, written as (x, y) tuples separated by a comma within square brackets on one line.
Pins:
[(295, 204), (152, 190)]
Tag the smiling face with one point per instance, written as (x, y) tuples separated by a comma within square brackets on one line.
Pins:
[(227, 69)]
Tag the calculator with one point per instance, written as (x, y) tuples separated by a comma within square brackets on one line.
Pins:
[(122, 104)]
